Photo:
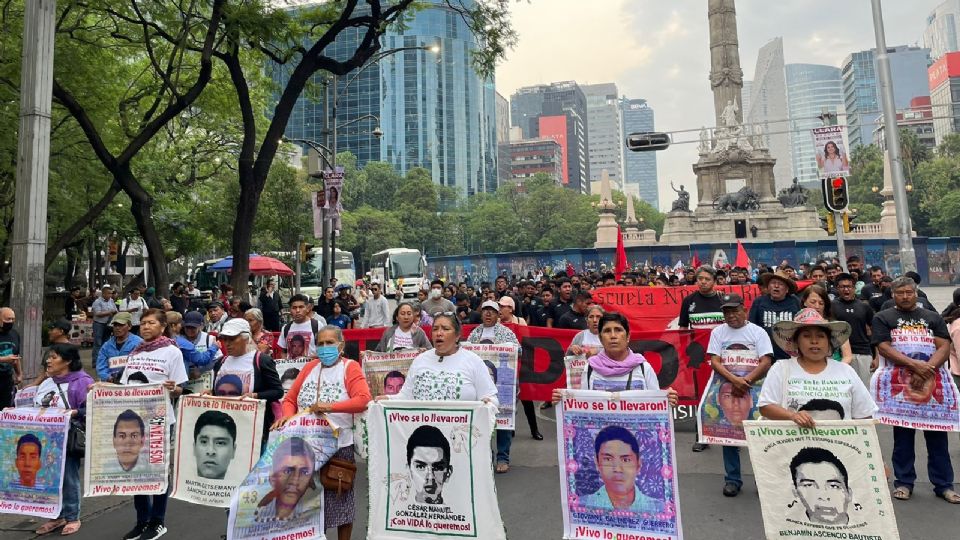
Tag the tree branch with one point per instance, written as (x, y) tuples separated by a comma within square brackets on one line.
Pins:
[(66, 238)]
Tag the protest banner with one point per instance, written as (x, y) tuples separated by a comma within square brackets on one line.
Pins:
[(501, 362), (386, 371), (429, 471), (281, 498), (117, 363), (933, 406), (576, 366), (290, 367), (24, 397), (134, 418), (617, 465), (200, 384), (822, 482), (217, 444), (31, 466), (721, 413)]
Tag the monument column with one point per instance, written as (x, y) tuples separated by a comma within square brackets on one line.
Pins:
[(726, 77)]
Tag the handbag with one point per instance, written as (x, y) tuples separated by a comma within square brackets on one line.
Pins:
[(77, 434), (338, 474)]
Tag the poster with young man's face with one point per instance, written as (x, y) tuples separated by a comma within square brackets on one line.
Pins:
[(723, 407), (829, 478), (386, 371), (32, 456), (218, 442)]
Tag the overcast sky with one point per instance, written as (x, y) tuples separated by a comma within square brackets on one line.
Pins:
[(659, 50)]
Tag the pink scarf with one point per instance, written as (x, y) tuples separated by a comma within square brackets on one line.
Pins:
[(150, 346), (608, 367)]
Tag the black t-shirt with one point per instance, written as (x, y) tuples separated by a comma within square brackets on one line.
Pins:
[(910, 332), (764, 312), (572, 320), (870, 291), (922, 302), (558, 309), (537, 312), (859, 315), (9, 344), (470, 316), (699, 311)]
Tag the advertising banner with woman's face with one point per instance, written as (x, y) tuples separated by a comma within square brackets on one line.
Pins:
[(831, 153)]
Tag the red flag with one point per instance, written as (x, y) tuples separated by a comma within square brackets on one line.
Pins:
[(695, 263), (621, 264), (742, 260), (570, 270)]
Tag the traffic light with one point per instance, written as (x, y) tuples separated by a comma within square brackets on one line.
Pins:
[(305, 251), (835, 194), (829, 223), (846, 221), (648, 141)]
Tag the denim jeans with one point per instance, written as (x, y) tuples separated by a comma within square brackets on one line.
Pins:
[(939, 468), (504, 441), (731, 465), (71, 490), (99, 337)]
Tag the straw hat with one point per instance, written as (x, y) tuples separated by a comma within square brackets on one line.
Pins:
[(782, 276), (784, 331)]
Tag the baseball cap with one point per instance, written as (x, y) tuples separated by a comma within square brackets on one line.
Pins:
[(121, 318), (63, 324), (508, 302), (490, 304), (731, 300), (193, 319), (215, 303), (235, 327)]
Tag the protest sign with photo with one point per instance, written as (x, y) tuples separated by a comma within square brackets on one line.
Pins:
[(33, 443), (822, 482), (134, 419), (333, 185), (722, 411), (217, 444), (200, 384), (931, 405), (386, 371), (281, 498), (576, 366), (617, 465), (831, 153), (25, 396), (430, 471), (501, 362)]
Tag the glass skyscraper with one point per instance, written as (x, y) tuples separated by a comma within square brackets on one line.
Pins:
[(811, 89), (434, 110), (639, 168)]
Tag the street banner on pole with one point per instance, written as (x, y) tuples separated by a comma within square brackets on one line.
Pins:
[(33, 456), (386, 371), (318, 202), (831, 153), (134, 418), (617, 465), (430, 472), (822, 482), (501, 362), (217, 444), (333, 185), (933, 406)]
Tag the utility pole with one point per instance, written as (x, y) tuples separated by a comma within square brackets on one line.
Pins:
[(29, 240), (333, 165), (830, 119), (325, 241), (908, 257)]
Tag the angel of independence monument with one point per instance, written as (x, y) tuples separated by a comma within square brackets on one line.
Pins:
[(735, 183)]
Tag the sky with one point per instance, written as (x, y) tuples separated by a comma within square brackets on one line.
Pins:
[(658, 50)]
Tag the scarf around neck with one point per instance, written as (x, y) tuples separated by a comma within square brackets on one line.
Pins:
[(150, 346), (608, 367)]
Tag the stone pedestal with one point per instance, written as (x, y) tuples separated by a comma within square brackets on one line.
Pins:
[(801, 223), (606, 231), (633, 236)]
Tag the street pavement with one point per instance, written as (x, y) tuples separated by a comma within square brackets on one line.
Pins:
[(530, 501)]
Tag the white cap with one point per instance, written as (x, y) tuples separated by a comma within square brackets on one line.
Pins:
[(490, 304), (235, 327)]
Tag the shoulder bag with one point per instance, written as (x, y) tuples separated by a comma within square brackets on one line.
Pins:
[(77, 435), (338, 474)]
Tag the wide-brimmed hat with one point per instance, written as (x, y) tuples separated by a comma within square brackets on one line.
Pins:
[(782, 276), (784, 331)]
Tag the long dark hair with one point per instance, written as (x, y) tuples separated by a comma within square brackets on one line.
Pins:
[(835, 147), (68, 352), (822, 293)]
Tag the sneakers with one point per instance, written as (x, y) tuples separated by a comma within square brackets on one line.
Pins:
[(700, 447), (135, 533), (730, 489), (153, 531)]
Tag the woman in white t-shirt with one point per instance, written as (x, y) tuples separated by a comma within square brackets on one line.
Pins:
[(588, 341), (809, 386)]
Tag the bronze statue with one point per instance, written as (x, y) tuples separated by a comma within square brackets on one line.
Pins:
[(683, 199)]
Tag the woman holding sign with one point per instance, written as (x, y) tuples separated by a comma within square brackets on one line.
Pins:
[(335, 386), (65, 387)]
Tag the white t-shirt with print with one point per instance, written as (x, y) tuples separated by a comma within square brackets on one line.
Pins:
[(304, 329), (461, 376), (47, 391), (838, 382), (402, 340), (329, 384), (749, 338), (129, 303), (242, 367), (163, 364)]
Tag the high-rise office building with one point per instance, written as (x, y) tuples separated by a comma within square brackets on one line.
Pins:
[(811, 90), (639, 168), (908, 68), (943, 26), (605, 134), (503, 138), (768, 108), (528, 157), (530, 105), (944, 83), (917, 118), (434, 110)]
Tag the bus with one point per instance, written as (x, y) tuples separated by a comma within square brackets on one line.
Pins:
[(205, 281), (310, 271), (400, 270)]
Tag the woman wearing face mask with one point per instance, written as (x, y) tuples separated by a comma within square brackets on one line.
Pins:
[(345, 393)]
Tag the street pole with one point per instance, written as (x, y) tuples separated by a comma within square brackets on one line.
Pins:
[(908, 257), (325, 241), (297, 257), (841, 246), (29, 239), (333, 165)]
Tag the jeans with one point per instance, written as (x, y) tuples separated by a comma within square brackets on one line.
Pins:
[(504, 441), (939, 468), (731, 465), (70, 510), (99, 336)]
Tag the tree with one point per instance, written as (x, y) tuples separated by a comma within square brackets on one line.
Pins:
[(367, 230)]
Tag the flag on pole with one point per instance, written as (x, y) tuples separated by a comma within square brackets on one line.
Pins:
[(696, 260), (621, 263), (742, 260)]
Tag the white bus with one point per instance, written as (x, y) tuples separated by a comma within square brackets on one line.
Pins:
[(310, 271), (398, 268)]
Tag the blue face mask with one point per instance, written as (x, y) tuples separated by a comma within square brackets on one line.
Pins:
[(328, 354)]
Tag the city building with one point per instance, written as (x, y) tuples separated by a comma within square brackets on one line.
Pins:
[(564, 106), (434, 110), (812, 89), (503, 138), (528, 157), (918, 118), (940, 34), (767, 109), (908, 67), (944, 83), (605, 137), (639, 168)]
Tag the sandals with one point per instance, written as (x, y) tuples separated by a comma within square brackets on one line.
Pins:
[(903, 493), (51, 526), (950, 496), (502, 468)]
